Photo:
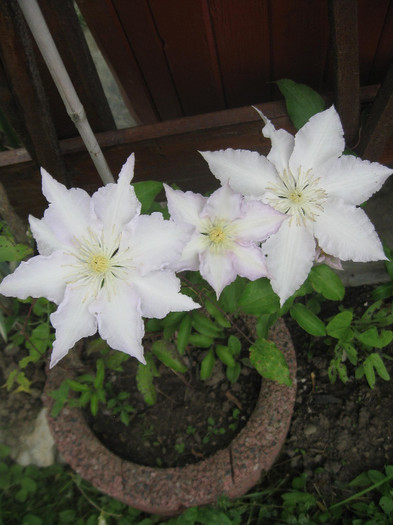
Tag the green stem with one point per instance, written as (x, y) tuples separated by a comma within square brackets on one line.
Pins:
[(361, 493)]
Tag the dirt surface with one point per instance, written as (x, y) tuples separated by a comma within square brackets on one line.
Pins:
[(337, 431)]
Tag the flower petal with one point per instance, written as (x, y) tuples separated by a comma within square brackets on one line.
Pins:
[(72, 321), (245, 171), (249, 262), (217, 268), (346, 232), (40, 276), (290, 255), (119, 319), (319, 140), (160, 294), (354, 180), (190, 256), (46, 240), (258, 221), (184, 206), (155, 243), (116, 204), (282, 144), (68, 214), (223, 204)]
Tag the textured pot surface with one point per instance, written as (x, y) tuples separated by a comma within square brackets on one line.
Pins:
[(168, 491)]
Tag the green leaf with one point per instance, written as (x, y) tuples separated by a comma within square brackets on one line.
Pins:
[(270, 362), (339, 326), (100, 375), (233, 372), (229, 298), (302, 102), (211, 306), (327, 283), (94, 403), (225, 355), (384, 291), (183, 334), (144, 381), (77, 387), (386, 504), (146, 192), (10, 251), (207, 365), (374, 339), (379, 366), (234, 345), (200, 341), (369, 371), (258, 298), (167, 355), (307, 320), (205, 326)]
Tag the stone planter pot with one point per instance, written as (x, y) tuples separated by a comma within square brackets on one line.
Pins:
[(168, 491)]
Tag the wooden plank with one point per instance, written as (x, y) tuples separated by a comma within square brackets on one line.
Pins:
[(344, 31), (299, 41), (241, 31), (378, 128), (29, 111), (148, 47), (165, 151), (66, 31), (107, 29), (186, 31)]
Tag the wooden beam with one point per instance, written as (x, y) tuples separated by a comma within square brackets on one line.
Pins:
[(378, 127), (344, 32)]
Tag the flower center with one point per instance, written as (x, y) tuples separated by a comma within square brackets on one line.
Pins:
[(298, 195), (99, 263), (217, 235)]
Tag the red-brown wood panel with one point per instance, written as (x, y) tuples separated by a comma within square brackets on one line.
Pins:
[(138, 25), (104, 23), (300, 40), (186, 32), (241, 31), (371, 21)]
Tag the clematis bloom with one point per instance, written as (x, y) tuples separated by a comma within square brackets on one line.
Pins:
[(307, 178), (102, 263), (225, 234)]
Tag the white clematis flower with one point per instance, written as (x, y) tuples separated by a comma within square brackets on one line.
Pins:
[(225, 233), (105, 265), (307, 178)]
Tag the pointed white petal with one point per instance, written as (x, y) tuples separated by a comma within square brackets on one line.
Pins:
[(223, 204), (245, 171), (155, 243), (116, 204), (190, 256), (40, 276), (160, 294), (46, 240), (184, 206), (319, 140), (217, 268), (119, 319), (282, 144), (72, 321), (289, 257), (258, 222), (68, 214), (249, 262), (353, 179), (346, 232)]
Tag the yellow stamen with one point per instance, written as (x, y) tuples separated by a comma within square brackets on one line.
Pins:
[(217, 235), (99, 263)]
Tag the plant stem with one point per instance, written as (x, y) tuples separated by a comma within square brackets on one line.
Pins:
[(56, 67)]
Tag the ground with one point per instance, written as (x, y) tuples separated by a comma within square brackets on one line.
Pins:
[(337, 430)]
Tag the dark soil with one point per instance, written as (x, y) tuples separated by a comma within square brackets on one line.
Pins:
[(190, 420)]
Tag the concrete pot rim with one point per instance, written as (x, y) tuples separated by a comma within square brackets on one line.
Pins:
[(169, 491)]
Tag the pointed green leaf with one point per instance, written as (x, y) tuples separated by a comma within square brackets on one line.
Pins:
[(302, 102), (339, 326), (146, 192), (327, 283), (307, 320), (270, 362), (144, 381), (167, 355), (258, 298)]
